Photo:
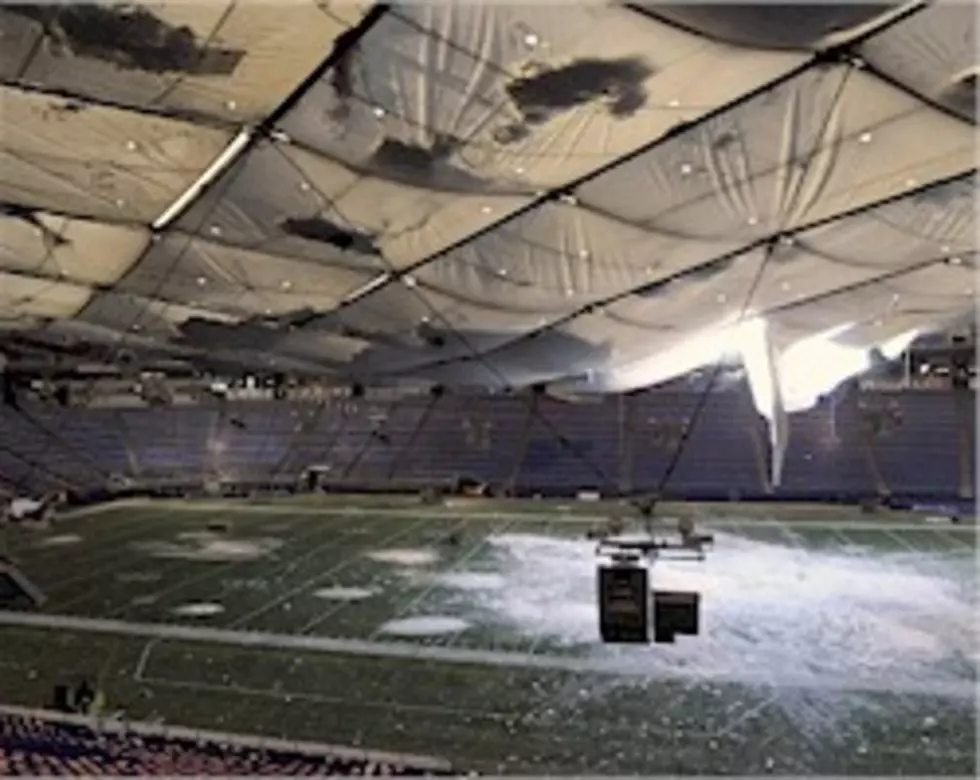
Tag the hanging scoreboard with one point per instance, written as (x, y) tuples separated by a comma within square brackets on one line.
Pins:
[(624, 603)]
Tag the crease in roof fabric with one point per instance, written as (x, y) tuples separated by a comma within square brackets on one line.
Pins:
[(487, 194)]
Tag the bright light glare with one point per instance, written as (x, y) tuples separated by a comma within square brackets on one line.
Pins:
[(894, 347), (816, 365)]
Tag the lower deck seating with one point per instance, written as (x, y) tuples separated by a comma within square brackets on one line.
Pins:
[(910, 444), (31, 746)]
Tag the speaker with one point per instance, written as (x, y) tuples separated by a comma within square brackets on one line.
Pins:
[(675, 612), (624, 604), (312, 480), (960, 372), (8, 392), (63, 699)]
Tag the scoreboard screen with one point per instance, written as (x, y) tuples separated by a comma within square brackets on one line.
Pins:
[(624, 604)]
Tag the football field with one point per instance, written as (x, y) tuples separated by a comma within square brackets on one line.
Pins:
[(832, 642)]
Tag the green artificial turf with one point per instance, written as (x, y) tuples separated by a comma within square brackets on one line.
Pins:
[(480, 716)]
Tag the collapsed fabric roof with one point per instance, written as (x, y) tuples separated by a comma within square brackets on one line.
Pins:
[(485, 193)]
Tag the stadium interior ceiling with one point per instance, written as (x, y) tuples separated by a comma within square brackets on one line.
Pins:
[(596, 197)]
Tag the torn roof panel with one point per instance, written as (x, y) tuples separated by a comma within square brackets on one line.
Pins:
[(933, 53), (515, 98), (52, 246), (95, 161), (32, 297), (304, 205), (824, 143), (233, 281), (233, 62)]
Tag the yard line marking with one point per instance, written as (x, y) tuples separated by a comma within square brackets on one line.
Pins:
[(129, 559), (956, 543), (795, 539), (222, 568), (732, 724), (615, 666), (120, 526), (114, 547), (902, 542), (499, 527), (319, 577), (167, 565), (113, 552), (844, 539), (144, 659), (321, 698)]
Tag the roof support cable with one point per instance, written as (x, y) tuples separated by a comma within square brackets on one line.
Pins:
[(402, 454)]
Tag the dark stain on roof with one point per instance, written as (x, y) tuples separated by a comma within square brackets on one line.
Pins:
[(582, 81), (128, 37), (324, 231)]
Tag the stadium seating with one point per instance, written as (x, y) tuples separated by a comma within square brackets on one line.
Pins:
[(30, 746), (918, 455), (914, 444)]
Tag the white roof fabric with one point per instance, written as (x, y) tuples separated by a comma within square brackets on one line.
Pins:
[(483, 193)]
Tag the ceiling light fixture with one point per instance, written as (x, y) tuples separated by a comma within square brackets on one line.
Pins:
[(201, 281), (686, 169), (223, 160), (865, 138), (378, 111), (531, 40), (410, 281), (286, 284), (675, 103)]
